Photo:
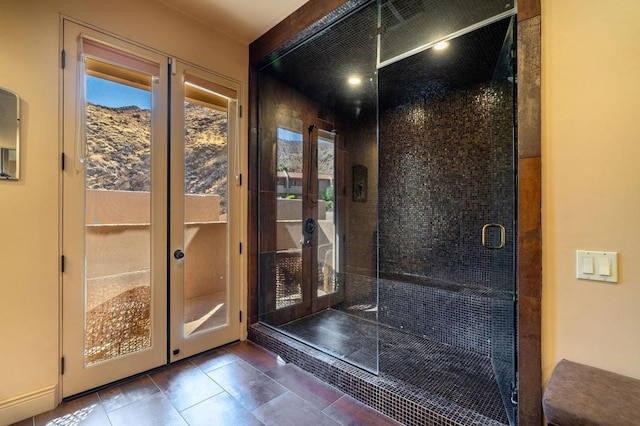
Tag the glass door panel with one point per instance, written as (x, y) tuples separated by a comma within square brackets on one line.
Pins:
[(118, 213), (326, 246), (503, 213), (205, 192), (204, 273), (317, 263), (114, 203), (288, 268)]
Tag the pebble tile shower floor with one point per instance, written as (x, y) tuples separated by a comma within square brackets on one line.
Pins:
[(455, 385)]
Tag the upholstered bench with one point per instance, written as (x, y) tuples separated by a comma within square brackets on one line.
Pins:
[(581, 395)]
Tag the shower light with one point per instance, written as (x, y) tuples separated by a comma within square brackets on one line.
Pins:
[(354, 80), (441, 45)]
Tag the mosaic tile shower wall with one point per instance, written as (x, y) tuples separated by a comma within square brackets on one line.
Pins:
[(458, 316), (443, 168), (447, 172)]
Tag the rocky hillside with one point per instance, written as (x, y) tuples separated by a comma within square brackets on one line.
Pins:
[(290, 156), (118, 150)]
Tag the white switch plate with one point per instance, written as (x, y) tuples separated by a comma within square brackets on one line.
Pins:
[(584, 265)]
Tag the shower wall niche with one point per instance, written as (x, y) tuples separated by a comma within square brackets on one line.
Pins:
[(404, 269)]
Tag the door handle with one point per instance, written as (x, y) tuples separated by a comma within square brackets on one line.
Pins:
[(178, 254), (309, 225), (502, 236)]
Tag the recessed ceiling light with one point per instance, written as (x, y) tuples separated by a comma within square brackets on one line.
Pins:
[(441, 45), (354, 80)]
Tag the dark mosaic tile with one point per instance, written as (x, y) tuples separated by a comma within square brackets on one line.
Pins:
[(456, 315), (451, 155), (409, 403), (350, 412)]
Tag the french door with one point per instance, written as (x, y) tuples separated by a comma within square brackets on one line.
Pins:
[(149, 210), (204, 195), (307, 260)]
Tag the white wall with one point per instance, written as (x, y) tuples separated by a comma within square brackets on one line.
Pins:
[(591, 180), (30, 208)]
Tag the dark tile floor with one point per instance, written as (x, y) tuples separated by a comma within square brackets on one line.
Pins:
[(241, 384)]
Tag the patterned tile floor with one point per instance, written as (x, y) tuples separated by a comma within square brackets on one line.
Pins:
[(418, 366), (241, 384)]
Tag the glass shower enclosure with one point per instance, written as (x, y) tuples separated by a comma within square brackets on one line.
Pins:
[(387, 197)]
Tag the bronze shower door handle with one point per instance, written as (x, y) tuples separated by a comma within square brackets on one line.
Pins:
[(502, 236)]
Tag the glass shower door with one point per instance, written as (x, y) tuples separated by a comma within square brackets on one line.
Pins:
[(317, 201), (447, 194), (499, 235)]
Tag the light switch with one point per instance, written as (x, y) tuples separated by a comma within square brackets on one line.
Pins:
[(587, 265), (604, 266), (597, 265)]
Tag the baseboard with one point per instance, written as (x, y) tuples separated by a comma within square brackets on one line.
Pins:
[(20, 407)]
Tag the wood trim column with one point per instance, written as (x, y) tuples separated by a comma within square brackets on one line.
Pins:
[(529, 269)]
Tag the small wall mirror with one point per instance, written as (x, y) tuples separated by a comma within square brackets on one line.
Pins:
[(9, 135)]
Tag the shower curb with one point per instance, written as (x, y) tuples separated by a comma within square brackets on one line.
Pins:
[(376, 391)]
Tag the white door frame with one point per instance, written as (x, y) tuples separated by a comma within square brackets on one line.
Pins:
[(77, 377)]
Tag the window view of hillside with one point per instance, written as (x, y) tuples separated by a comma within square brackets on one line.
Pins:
[(118, 149), (118, 212), (118, 233), (206, 152)]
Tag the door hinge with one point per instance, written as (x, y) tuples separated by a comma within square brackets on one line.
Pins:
[(240, 248), (240, 111), (174, 66), (63, 59), (62, 366), (514, 394), (63, 158), (62, 263), (240, 316)]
